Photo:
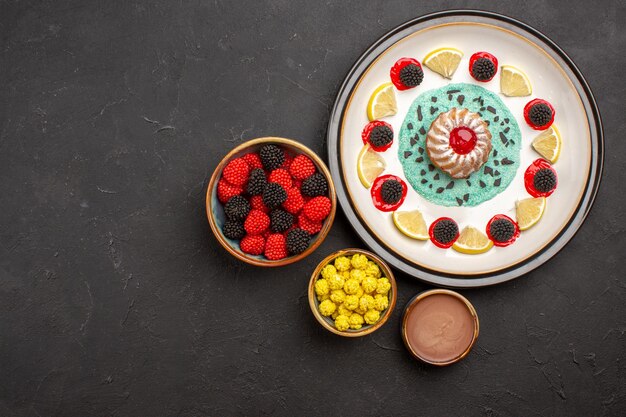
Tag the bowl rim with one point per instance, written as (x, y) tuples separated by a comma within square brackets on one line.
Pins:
[(321, 234), (420, 296), (368, 328)]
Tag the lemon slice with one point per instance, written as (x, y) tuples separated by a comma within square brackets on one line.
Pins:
[(472, 242), (382, 102), (548, 144), (411, 224), (513, 82), (529, 211), (369, 166), (443, 61)]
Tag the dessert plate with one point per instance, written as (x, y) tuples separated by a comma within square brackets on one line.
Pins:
[(553, 77)]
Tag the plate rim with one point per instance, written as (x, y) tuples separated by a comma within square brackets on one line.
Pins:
[(433, 277)]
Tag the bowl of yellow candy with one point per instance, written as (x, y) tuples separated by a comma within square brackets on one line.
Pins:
[(352, 292)]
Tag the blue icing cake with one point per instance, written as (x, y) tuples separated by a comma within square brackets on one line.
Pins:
[(437, 186)]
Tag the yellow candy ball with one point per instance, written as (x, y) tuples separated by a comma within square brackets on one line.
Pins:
[(345, 274), (328, 271), (321, 287), (357, 274), (342, 263), (342, 323), (381, 302), (356, 321), (372, 270), (366, 302), (383, 286), (369, 284), (351, 302), (371, 316), (327, 307), (338, 296), (335, 282), (359, 261), (351, 286)]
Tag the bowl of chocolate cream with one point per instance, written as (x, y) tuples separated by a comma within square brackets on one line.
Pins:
[(439, 327)]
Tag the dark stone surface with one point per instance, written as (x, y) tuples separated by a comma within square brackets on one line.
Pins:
[(115, 299)]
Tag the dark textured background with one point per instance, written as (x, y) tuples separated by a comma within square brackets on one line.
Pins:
[(115, 299)]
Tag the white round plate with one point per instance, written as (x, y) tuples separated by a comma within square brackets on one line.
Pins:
[(553, 77)]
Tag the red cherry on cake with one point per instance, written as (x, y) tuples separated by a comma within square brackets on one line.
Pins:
[(378, 134), (406, 73), (388, 192), (539, 114), (462, 140), (483, 66), (540, 178)]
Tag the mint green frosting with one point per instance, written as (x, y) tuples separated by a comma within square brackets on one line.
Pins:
[(437, 186)]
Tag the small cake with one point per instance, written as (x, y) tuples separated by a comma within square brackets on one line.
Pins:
[(458, 142)]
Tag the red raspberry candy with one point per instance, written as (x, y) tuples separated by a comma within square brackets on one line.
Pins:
[(317, 209), (302, 167), (252, 244), (276, 247), (253, 160), (226, 191), (256, 203), (257, 222), (294, 202), (282, 177), (236, 171), (308, 225)]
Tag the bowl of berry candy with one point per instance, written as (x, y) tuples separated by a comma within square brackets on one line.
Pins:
[(271, 201)]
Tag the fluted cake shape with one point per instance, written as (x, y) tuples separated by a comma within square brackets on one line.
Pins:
[(441, 153)]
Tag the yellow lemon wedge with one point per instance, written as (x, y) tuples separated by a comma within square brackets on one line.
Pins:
[(443, 61), (513, 82), (529, 211), (548, 144), (382, 102), (369, 166), (411, 224), (472, 241)]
